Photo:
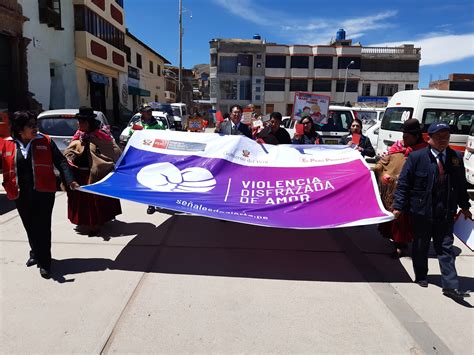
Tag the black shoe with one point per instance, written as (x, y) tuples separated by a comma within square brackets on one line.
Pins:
[(455, 293), (45, 273), (422, 283), (150, 210), (31, 261)]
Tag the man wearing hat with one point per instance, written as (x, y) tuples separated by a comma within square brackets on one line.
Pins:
[(147, 121), (430, 188)]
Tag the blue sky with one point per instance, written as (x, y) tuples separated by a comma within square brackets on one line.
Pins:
[(443, 29)]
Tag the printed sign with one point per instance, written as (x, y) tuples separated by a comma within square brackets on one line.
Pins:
[(312, 105), (234, 178)]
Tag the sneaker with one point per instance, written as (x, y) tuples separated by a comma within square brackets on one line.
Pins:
[(455, 293)]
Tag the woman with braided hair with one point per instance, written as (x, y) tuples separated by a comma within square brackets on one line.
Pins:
[(387, 171)]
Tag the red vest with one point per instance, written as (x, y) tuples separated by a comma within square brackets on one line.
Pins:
[(43, 167)]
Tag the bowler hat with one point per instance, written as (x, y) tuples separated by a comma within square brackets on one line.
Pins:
[(436, 127), (86, 113), (411, 126)]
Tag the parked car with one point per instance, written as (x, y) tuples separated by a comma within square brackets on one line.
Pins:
[(61, 125), (158, 115), (166, 109), (180, 115)]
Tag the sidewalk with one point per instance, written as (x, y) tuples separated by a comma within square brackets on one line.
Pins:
[(176, 284)]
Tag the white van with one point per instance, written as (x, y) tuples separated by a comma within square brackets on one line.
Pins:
[(469, 159), (456, 108), (180, 113)]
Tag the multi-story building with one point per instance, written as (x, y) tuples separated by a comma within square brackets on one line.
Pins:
[(51, 53), (237, 72), (145, 80), (187, 78), (459, 82), (171, 83), (343, 71), (201, 82), (13, 60), (100, 54)]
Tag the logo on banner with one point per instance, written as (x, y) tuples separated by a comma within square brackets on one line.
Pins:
[(166, 177), (245, 153)]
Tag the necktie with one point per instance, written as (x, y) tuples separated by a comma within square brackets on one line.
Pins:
[(439, 161)]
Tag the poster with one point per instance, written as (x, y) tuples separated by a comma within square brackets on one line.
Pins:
[(312, 105)]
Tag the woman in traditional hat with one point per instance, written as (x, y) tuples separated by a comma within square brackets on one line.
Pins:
[(28, 160), (92, 154), (387, 171)]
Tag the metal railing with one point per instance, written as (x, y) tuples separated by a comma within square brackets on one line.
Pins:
[(390, 50)]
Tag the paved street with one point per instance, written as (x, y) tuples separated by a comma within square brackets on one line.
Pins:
[(179, 284)]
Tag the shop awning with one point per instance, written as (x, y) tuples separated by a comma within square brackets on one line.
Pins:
[(132, 90)]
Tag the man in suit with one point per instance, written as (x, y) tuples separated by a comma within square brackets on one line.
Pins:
[(234, 127), (430, 188)]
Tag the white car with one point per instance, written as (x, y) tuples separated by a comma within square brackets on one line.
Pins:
[(61, 125), (372, 133), (158, 115), (469, 160)]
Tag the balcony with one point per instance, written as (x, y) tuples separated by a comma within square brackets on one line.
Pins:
[(391, 50)]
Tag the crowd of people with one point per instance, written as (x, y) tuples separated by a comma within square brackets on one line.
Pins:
[(421, 183)]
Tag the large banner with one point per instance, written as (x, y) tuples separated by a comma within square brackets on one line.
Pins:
[(234, 178), (312, 105)]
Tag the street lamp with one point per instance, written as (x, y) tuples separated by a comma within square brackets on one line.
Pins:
[(345, 83)]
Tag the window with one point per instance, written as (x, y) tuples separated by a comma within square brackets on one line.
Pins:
[(274, 84), (258, 81), (139, 61), (394, 117), (408, 86), (128, 52), (270, 108), (289, 109), (343, 62), (257, 89), (299, 61), (87, 20), (156, 98), (386, 89), (245, 89), (259, 56), (460, 122), (298, 85), (338, 121), (50, 13), (322, 85), (257, 97), (227, 64), (245, 60), (158, 70), (323, 62), (365, 89), (213, 60), (152, 66), (275, 61), (352, 86), (228, 89), (390, 65)]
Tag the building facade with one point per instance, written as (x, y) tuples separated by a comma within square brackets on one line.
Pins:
[(345, 72), (237, 72), (51, 67), (13, 60), (187, 78), (459, 82), (100, 60), (145, 78)]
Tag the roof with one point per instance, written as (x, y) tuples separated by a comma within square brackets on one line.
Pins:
[(129, 34)]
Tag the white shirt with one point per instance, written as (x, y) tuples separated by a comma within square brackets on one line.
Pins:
[(436, 153), (26, 149)]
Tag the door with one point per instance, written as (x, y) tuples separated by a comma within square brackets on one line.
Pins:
[(98, 97)]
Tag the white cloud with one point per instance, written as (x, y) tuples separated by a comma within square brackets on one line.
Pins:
[(440, 49)]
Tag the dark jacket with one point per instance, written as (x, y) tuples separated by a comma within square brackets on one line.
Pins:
[(364, 143), (414, 193), (226, 128)]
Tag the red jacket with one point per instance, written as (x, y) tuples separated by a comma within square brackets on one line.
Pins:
[(43, 167)]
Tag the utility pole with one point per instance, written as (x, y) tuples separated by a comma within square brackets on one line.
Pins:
[(180, 78), (345, 83)]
